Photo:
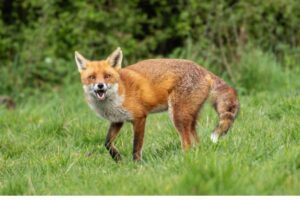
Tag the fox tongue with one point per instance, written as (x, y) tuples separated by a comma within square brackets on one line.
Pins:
[(101, 95)]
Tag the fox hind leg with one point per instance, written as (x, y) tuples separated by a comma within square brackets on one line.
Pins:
[(193, 130), (183, 113), (183, 128)]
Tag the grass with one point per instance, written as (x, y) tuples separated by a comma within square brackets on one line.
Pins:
[(46, 141)]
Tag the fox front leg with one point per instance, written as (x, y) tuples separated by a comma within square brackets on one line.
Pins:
[(138, 140), (112, 133)]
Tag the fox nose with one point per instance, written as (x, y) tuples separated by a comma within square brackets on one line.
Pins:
[(100, 86)]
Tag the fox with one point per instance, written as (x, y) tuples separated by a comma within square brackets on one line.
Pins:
[(129, 94)]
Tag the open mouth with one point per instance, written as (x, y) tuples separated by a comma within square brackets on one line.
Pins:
[(100, 94)]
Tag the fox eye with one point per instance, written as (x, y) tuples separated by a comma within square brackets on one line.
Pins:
[(92, 77), (107, 76)]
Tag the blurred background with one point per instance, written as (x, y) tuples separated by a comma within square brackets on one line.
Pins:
[(252, 44)]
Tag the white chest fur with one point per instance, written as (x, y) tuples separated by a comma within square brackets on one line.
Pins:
[(111, 108)]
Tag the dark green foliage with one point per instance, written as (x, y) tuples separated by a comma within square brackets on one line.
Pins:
[(38, 38), (258, 71)]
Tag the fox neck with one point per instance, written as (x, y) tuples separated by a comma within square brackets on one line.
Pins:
[(121, 88)]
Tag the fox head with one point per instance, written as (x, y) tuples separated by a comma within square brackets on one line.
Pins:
[(100, 78)]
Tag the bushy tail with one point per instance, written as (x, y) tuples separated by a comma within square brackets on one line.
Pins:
[(225, 102)]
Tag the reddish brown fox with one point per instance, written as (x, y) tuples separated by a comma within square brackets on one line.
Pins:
[(175, 85)]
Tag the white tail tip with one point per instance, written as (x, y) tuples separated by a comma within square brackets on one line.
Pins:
[(214, 137)]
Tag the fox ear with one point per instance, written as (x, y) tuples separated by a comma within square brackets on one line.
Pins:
[(115, 59), (80, 61)]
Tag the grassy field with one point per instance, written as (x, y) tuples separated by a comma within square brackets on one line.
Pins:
[(53, 144)]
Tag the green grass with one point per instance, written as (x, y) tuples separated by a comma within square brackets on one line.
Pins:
[(44, 145)]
